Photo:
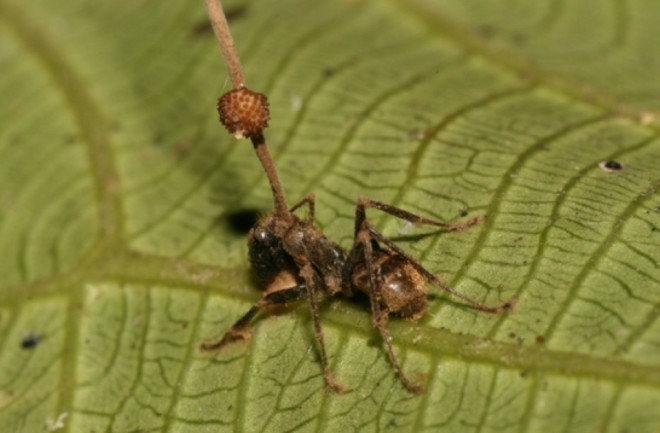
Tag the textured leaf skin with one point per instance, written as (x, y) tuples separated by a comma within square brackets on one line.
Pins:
[(120, 193)]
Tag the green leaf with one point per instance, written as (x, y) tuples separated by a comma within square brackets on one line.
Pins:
[(122, 202)]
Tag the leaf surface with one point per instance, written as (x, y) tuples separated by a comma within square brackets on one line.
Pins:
[(124, 209)]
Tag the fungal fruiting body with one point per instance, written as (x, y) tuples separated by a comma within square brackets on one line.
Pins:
[(244, 112)]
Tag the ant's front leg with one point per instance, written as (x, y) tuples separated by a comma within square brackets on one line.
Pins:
[(313, 283), (309, 201), (364, 203), (238, 329)]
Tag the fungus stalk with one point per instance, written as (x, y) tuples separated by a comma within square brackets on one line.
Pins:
[(223, 35), (243, 112)]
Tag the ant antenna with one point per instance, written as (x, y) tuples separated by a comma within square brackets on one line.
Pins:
[(244, 112)]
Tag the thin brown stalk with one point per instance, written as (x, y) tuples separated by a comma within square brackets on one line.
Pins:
[(222, 33), (281, 208)]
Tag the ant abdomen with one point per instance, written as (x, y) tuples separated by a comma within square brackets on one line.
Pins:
[(403, 290)]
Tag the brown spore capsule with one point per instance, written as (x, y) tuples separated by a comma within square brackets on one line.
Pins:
[(244, 112)]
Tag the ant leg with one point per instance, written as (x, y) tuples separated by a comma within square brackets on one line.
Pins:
[(380, 317), (361, 223), (309, 201), (364, 202), (237, 330), (308, 274), (432, 278)]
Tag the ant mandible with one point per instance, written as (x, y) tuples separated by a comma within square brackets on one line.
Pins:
[(294, 260)]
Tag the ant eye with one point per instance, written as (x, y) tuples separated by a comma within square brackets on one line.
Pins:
[(244, 112)]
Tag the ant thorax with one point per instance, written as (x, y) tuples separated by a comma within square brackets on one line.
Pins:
[(276, 246), (308, 244)]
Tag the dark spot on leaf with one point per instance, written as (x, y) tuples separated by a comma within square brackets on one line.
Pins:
[(158, 139), (610, 166), (202, 27), (519, 39), (30, 341), (328, 72), (182, 148), (613, 165), (236, 13), (512, 335), (540, 339), (486, 31), (463, 212), (241, 221)]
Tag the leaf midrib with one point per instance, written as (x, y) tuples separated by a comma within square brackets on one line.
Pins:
[(437, 343)]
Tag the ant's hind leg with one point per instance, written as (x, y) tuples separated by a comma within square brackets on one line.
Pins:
[(432, 278), (238, 329), (364, 203), (378, 316)]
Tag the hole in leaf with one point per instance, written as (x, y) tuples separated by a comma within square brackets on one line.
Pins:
[(30, 341), (610, 166)]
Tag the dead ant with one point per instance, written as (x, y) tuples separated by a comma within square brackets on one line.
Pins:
[(294, 260)]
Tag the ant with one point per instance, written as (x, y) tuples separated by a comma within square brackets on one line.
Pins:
[(293, 259)]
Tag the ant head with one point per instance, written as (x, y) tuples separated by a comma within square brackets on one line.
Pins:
[(266, 254)]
